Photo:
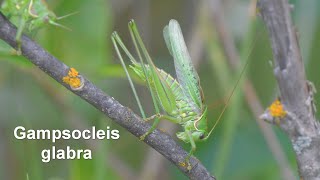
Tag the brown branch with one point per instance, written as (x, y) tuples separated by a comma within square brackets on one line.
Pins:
[(158, 140), (296, 92), (249, 90)]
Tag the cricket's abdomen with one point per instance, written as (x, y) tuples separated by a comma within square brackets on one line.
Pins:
[(170, 81), (184, 110)]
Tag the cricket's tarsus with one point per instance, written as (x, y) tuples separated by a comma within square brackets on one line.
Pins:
[(177, 100)]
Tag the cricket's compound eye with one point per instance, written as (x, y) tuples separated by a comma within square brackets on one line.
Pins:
[(202, 136)]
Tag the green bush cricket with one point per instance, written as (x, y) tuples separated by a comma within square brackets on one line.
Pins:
[(181, 100), (30, 15)]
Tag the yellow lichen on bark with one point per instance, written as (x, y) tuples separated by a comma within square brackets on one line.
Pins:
[(73, 72), (72, 78), (182, 164), (276, 109)]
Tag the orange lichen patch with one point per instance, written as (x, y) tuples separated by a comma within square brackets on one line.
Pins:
[(75, 82), (73, 72), (66, 79), (276, 109), (72, 78)]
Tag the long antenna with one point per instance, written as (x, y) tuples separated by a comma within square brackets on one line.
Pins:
[(67, 15), (233, 90)]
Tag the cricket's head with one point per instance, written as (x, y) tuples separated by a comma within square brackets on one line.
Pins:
[(199, 135), (49, 17), (201, 126), (196, 135)]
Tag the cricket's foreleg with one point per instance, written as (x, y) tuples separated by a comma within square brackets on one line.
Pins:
[(193, 149), (19, 35), (157, 118)]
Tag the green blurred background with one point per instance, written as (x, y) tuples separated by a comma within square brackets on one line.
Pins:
[(237, 148)]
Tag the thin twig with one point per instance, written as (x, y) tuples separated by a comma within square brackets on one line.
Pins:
[(296, 92), (249, 90), (160, 141)]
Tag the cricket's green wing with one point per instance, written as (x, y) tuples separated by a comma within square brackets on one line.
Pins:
[(186, 73)]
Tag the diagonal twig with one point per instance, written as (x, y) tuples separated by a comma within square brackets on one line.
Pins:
[(158, 140)]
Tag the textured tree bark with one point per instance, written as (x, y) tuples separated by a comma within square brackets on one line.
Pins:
[(296, 92), (158, 140)]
